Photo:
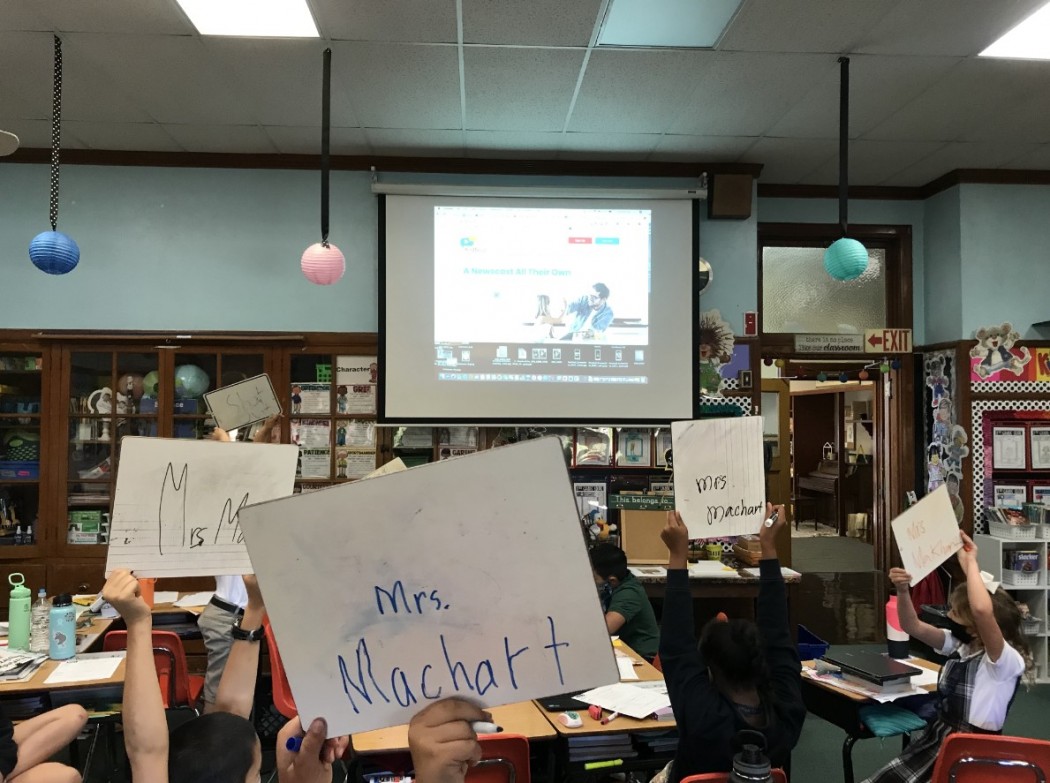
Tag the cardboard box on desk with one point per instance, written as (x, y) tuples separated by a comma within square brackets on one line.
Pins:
[(640, 536)]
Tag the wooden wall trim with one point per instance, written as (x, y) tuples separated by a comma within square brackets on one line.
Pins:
[(920, 193), (577, 168), (858, 192)]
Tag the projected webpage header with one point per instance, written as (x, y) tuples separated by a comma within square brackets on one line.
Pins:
[(541, 295)]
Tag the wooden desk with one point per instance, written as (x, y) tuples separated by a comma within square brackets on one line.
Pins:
[(523, 717), (841, 708), (89, 636), (36, 684)]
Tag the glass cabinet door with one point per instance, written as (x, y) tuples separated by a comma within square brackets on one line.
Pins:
[(198, 373), (21, 444)]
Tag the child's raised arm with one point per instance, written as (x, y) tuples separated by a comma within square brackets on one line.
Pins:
[(145, 727), (980, 600), (237, 687), (910, 622)]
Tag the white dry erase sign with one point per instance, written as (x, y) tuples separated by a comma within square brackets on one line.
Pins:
[(719, 475), (927, 534), (415, 595), (243, 403)]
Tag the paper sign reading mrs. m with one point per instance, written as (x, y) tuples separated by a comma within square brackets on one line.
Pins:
[(178, 502), (243, 403), (719, 476), (464, 577), (927, 534)]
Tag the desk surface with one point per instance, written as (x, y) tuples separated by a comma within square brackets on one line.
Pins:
[(88, 636), (524, 717), (646, 672), (36, 683)]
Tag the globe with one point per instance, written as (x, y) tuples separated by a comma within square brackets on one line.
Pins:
[(190, 381)]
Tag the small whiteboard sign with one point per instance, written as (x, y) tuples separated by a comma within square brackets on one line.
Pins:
[(927, 534), (467, 576), (719, 475), (177, 506), (243, 403)]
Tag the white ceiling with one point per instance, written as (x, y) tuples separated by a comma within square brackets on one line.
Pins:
[(521, 79)]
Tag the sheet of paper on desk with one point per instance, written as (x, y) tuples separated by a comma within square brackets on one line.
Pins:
[(176, 511), (786, 572), (195, 599), (626, 666), (719, 475), (710, 569), (647, 570), (395, 628), (627, 699), (86, 668), (165, 596)]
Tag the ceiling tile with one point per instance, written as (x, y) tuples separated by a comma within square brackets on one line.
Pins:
[(873, 162), (1026, 115), (303, 140), (714, 149), (788, 161), (134, 17), (25, 75), (399, 85), (541, 82), (249, 139), (23, 17), (772, 83), (957, 28), (36, 134), (512, 144), (1037, 158), (879, 86), (535, 23), (406, 21), (613, 146), (173, 79), (959, 155), (634, 91), (131, 136), (415, 142), (802, 25)]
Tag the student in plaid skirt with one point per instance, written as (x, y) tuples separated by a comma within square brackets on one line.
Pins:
[(989, 655)]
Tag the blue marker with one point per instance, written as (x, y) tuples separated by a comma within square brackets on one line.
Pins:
[(294, 743)]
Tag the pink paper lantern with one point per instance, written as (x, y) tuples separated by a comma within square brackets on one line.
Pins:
[(323, 265)]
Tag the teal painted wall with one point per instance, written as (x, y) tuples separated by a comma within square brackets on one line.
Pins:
[(1005, 240), (943, 272), (181, 249)]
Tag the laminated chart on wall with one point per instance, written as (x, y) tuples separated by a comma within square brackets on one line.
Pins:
[(178, 503), (719, 475), (388, 593)]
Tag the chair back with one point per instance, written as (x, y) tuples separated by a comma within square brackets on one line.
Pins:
[(504, 759), (721, 777), (169, 657), (981, 758), (282, 692)]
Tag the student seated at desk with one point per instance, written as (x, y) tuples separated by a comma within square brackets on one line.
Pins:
[(26, 748), (989, 655), (628, 613), (222, 746), (742, 675)]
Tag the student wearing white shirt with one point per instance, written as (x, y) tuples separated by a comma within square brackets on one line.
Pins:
[(989, 655)]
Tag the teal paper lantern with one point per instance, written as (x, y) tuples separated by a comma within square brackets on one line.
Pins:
[(54, 252), (846, 259), (190, 381)]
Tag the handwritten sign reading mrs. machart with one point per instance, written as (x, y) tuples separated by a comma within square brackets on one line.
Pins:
[(719, 476), (927, 534), (243, 403), (178, 503), (464, 577)]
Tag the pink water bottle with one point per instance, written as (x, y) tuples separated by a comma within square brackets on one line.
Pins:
[(896, 638)]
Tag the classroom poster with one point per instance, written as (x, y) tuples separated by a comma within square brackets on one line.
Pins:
[(1008, 448), (314, 463), (1040, 437), (355, 433), (311, 433), (1010, 495), (356, 378), (719, 475), (310, 398), (456, 621), (354, 464), (633, 447)]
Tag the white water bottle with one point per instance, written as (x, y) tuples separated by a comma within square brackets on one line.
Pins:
[(39, 623)]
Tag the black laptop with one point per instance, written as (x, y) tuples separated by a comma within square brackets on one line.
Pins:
[(562, 702), (872, 666)]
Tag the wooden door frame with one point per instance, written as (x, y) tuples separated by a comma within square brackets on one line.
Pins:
[(782, 492)]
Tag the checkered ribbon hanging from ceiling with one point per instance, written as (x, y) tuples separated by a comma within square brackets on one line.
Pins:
[(56, 132)]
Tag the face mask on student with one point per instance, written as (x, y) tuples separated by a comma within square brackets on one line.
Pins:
[(958, 630)]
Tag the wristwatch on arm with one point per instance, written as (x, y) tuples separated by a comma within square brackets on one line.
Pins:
[(241, 635)]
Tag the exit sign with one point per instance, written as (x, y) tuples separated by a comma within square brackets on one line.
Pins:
[(887, 341)]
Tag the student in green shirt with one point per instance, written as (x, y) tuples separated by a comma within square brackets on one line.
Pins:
[(628, 613)]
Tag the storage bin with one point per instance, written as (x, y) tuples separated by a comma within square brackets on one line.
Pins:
[(1013, 531), (810, 646), (1020, 578), (19, 470)]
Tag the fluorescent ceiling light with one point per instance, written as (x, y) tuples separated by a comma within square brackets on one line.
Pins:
[(1030, 40), (686, 24), (253, 18)]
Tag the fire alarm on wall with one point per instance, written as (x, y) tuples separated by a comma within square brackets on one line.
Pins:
[(751, 323)]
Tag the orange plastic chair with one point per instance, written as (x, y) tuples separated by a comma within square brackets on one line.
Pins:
[(988, 758), (656, 663), (721, 777), (282, 692), (504, 759), (178, 688)]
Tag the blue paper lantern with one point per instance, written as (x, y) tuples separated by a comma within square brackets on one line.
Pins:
[(190, 381), (54, 252), (846, 259)]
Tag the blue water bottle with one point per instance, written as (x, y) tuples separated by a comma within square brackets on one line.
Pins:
[(63, 628)]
